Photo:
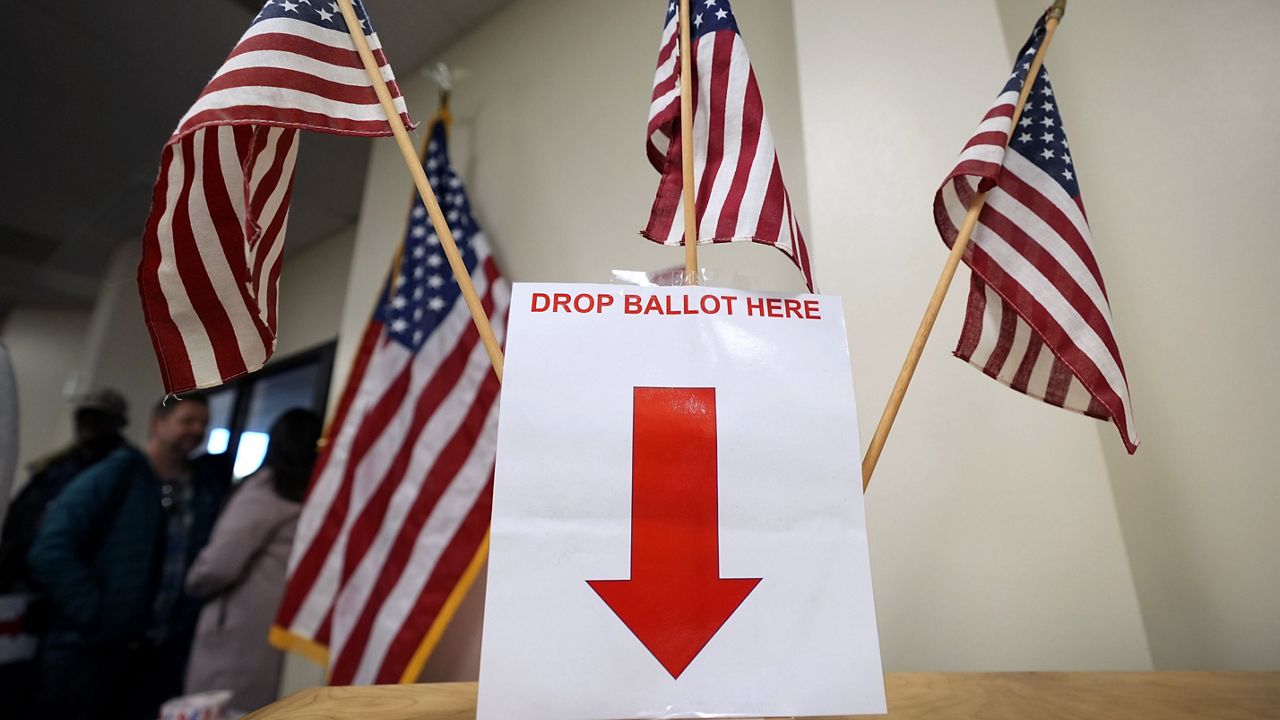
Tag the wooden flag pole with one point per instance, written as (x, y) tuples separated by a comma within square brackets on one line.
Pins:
[(686, 150), (949, 270), (414, 164)]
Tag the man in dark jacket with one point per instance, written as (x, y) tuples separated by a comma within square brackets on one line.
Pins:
[(110, 557)]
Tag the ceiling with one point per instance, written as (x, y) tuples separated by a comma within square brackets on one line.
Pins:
[(94, 90)]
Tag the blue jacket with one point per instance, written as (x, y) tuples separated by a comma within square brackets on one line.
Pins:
[(100, 573)]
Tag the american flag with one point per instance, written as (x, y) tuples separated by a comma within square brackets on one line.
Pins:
[(738, 185), (211, 247), (396, 521), (1038, 317)]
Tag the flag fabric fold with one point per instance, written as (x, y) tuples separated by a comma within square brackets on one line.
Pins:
[(211, 247), (738, 187), (395, 525), (1038, 316)]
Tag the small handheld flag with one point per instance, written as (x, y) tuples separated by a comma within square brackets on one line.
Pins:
[(738, 185), (1038, 318), (210, 267)]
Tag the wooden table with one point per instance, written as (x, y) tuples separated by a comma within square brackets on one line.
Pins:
[(912, 696)]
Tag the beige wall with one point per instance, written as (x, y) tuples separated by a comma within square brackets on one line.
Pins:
[(44, 346), (313, 290), (995, 541), (1172, 109), (118, 351)]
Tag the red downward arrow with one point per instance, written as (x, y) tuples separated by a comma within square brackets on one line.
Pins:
[(675, 601)]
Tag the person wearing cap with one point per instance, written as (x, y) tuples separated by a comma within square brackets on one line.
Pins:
[(98, 419)]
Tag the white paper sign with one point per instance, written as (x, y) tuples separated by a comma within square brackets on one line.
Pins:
[(678, 526)]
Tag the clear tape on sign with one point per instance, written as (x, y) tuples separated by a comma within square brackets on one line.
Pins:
[(674, 276)]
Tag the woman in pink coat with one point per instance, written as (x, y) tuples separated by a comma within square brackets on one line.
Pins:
[(241, 572)]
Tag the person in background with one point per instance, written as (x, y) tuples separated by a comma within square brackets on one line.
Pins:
[(241, 572), (8, 427), (97, 420), (99, 417), (17, 649), (110, 557)]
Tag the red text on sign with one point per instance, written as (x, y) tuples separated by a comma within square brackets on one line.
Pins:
[(784, 308), (564, 302), (683, 305), (670, 305)]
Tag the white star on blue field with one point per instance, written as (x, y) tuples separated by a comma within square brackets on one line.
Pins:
[(424, 286)]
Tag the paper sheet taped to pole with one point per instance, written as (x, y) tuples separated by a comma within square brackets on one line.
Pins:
[(678, 525)]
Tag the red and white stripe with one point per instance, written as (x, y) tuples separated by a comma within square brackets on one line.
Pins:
[(399, 505), (290, 73), (212, 243), (1038, 317), (738, 187)]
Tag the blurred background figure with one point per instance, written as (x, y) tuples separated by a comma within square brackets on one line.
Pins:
[(8, 427), (241, 572), (110, 558), (98, 419), (17, 649)]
